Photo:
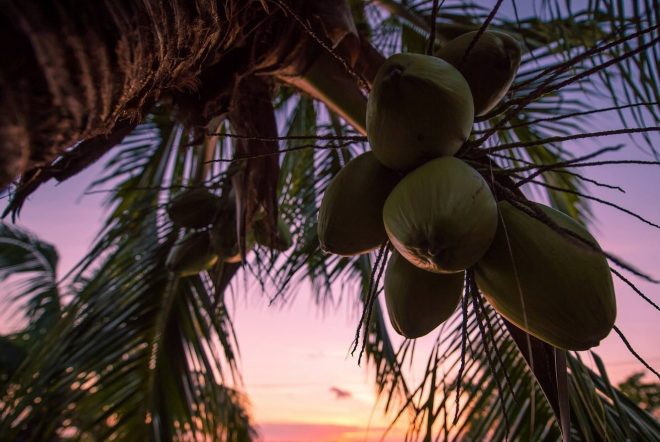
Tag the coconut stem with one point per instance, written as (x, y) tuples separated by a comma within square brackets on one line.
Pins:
[(480, 32), (491, 330), (635, 288), (434, 19), (367, 297), (634, 353), (464, 337), (372, 300), (474, 294)]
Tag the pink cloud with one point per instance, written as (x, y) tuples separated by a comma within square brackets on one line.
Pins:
[(340, 394)]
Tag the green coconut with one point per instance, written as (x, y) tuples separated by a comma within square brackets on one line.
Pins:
[(191, 255), (546, 284), (489, 68), (442, 216), (194, 208), (282, 239), (224, 238), (418, 301), (225, 241), (351, 214), (419, 108), (224, 232)]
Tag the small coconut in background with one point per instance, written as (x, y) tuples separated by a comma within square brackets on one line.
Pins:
[(194, 208), (192, 254), (281, 241), (225, 242)]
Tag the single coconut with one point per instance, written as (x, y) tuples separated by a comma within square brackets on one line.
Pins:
[(442, 216), (545, 282), (225, 241), (489, 68), (224, 232), (281, 241), (224, 238), (418, 301), (191, 255), (351, 214), (194, 208), (419, 108)]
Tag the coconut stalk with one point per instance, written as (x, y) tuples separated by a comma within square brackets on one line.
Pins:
[(444, 31), (326, 80), (82, 73)]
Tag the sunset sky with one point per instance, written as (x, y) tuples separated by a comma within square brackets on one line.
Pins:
[(301, 380)]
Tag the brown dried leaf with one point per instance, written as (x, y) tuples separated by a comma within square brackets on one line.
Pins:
[(251, 115)]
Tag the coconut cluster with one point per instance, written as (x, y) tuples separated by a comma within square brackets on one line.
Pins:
[(441, 216), (213, 237)]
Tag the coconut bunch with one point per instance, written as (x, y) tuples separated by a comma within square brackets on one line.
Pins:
[(214, 238), (443, 219)]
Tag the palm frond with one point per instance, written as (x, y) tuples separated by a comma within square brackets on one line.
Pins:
[(598, 410), (141, 353), (22, 253), (28, 270)]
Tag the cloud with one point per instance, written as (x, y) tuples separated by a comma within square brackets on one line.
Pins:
[(340, 394), (316, 354)]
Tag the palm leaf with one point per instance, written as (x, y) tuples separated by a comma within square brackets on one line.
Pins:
[(141, 353), (28, 270), (35, 262)]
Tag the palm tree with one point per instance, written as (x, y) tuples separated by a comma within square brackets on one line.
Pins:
[(268, 98)]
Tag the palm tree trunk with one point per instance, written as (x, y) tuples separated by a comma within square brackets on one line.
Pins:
[(74, 70), (84, 66)]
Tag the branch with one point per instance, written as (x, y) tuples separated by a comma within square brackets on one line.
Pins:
[(559, 139)]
